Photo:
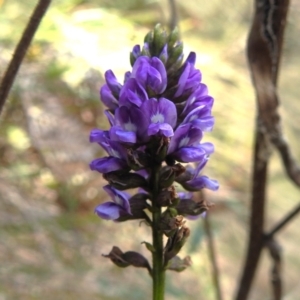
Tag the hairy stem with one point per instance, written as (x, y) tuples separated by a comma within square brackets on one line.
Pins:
[(157, 236)]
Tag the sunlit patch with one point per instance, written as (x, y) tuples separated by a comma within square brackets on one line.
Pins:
[(158, 118)]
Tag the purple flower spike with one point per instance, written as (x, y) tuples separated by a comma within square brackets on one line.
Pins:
[(113, 210), (150, 73), (157, 117)]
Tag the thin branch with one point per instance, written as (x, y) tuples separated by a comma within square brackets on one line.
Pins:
[(21, 50), (212, 256), (173, 15), (291, 167), (264, 53), (283, 222), (276, 281)]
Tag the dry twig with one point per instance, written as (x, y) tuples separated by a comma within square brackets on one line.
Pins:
[(21, 49)]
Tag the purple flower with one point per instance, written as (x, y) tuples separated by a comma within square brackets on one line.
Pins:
[(198, 98), (112, 82), (150, 73), (130, 125), (132, 93), (107, 98), (117, 153), (161, 116), (113, 210), (198, 182), (185, 145), (183, 196), (190, 77)]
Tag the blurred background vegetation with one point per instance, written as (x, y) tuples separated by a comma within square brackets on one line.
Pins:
[(51, 242)]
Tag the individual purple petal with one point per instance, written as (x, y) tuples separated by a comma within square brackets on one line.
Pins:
[(136, 51), (127, 75), (202, 182), (117, 133), (200, 117), (160, 128), (163, 56), (112, 82), (113, 210), (191, 58), (107, 98), (200, 166), (107, 164), (189, 154), (108, 211), (120, 198), (98, 135), (110, 117), (208, 148), (190, 77), (132, 93), (205, 123)]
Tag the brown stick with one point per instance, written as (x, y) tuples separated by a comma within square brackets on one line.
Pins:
[(212, 256), (276, 281), (285, 220), (264, 52), (173, 15), (21, 49)]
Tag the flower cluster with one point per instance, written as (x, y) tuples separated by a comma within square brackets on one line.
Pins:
[(157, 118)]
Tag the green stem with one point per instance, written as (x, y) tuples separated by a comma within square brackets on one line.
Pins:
[(157, 236)]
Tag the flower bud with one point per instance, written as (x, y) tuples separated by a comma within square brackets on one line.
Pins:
[(175, 57), (137, 159), (166, 177), (176, 242), (116, 256), (167, 197), (123, 182), (137, 206), (159, 39), (173, 38), (128, 258), (192, 208), (169, 223)]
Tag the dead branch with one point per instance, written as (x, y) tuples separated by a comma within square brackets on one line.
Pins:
[(264, 53), (21, 49)]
